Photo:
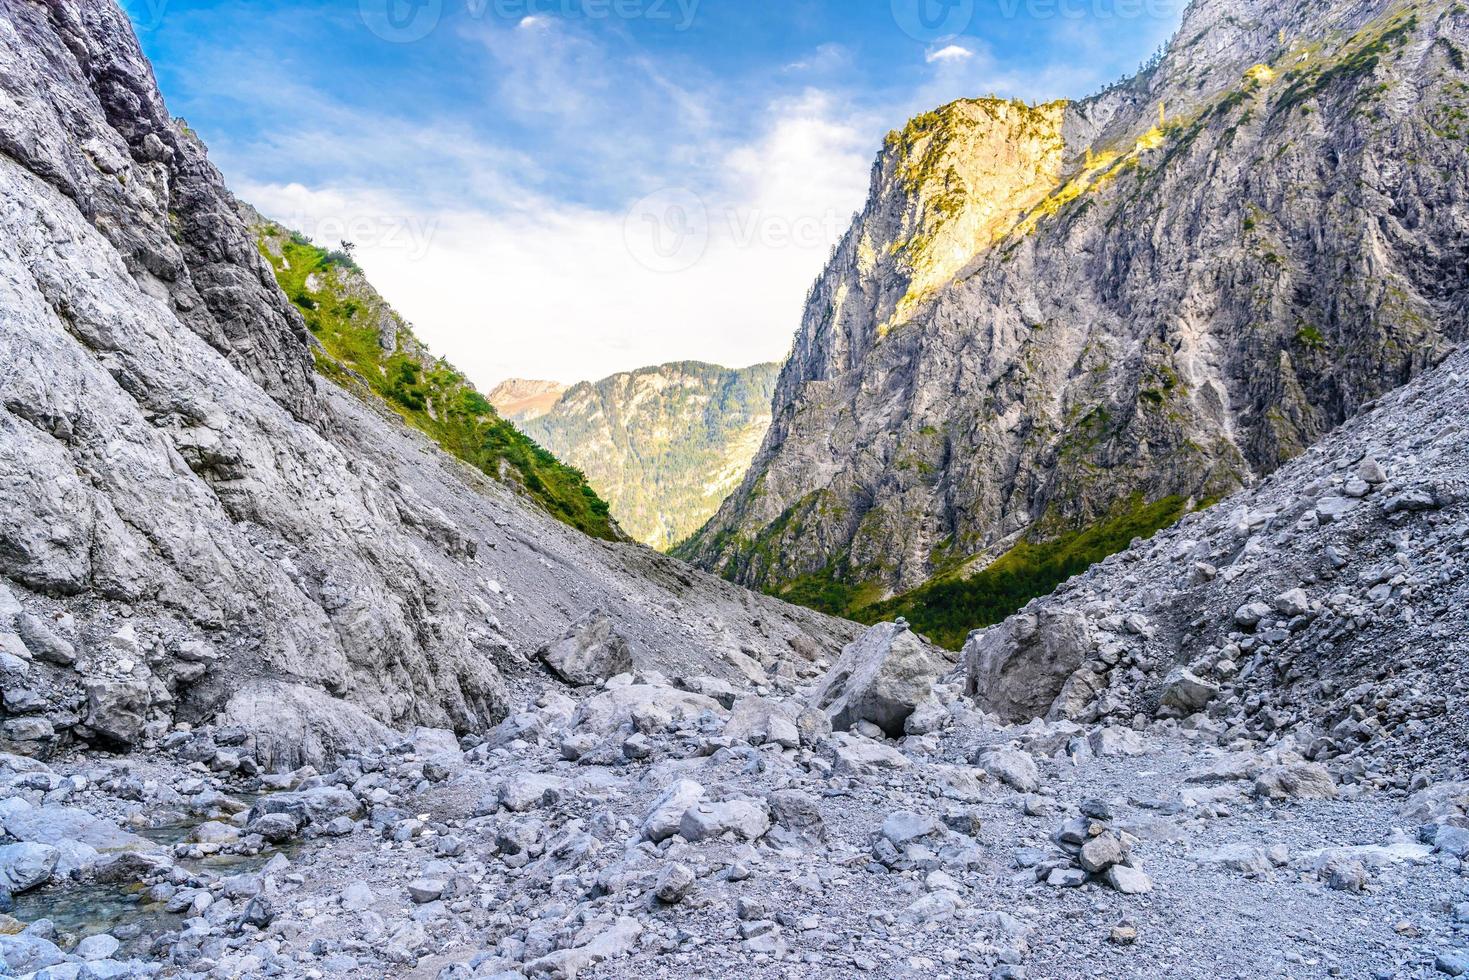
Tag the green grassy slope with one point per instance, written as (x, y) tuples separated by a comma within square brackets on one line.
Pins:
[(947, 608), (368, 349)]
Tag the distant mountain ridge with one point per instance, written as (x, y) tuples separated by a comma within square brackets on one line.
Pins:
[(662, 445), (519, 399)]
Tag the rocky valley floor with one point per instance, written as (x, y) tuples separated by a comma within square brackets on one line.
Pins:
[(650, 831)]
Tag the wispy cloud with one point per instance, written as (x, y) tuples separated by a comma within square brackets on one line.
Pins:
[(952, 52)]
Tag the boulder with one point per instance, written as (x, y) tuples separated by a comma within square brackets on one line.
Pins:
[(27, 865), (529, 790), (607, 712), (745, 819), (54, 824), (904, 827), (928, 717), (116, 710), (1292, 603), (1185, 693), (43, 642), (358, 897), (289, 725), (1013, 767), (663, 818), (616, 940), (1437, 804), (1127, 880), (880, 677), (1302, 781), (1101, 852), (275, 827), (24, 954), (673, 884), (758, 720), (591, 651), (1114, 741), (319, 805), (851, 755), (712, 687), (1250, 615), (797, 812), (1018, 669)]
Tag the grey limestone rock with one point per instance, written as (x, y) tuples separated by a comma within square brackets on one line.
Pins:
[(881, 678), (591, 651)]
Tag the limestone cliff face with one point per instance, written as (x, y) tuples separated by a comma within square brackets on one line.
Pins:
[(1046, 316), (79, 109), (191, 524), (665, 445)]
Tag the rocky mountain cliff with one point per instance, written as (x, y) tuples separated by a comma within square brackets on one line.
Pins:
[(665, 445), (194, 525), (519, 399), (1326, 602), (1077, 321), (1235, 750)]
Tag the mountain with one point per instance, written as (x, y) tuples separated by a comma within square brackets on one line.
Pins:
[(1324, 602), (518, 399), (217, 509), (287, 689), (364, 345), (1055, 328), (665, 445)]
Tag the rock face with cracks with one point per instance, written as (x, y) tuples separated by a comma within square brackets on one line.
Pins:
[(193, 524), (1046, 316)]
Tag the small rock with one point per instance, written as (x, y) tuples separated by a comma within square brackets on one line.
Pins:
[(1128, 881), (674, 884), (425, 890)]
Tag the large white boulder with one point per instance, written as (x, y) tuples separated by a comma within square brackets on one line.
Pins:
[(881, 677)]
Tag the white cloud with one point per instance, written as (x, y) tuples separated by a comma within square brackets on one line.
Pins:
[(550, 290), (827, 57), (953, 52)]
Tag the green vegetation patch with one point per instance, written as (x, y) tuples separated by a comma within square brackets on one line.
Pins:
[(346, 317), (947, 610), (1358, 59)]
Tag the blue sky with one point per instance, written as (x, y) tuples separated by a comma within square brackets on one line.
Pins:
[(567, 188)]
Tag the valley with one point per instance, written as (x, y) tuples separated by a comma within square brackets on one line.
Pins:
[(1085, 596)]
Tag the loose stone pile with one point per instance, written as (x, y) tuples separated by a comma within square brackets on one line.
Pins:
[(634, 826)]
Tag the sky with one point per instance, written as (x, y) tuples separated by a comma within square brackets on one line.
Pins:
[(564, 189)]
